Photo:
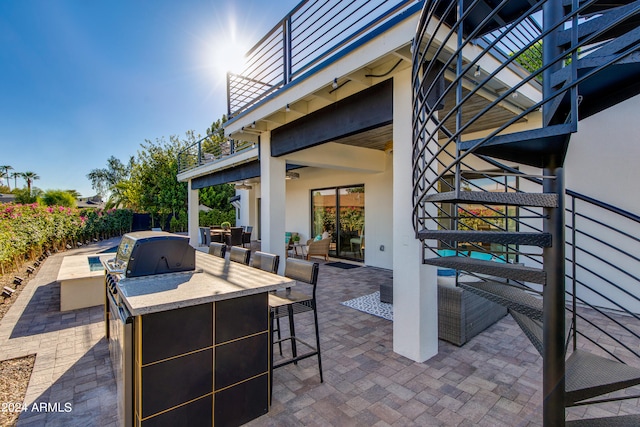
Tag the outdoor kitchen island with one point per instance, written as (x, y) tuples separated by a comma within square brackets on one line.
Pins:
[(199, 344)]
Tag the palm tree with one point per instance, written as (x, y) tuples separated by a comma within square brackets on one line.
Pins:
[(5, 174), (30, 177), (15, 176)]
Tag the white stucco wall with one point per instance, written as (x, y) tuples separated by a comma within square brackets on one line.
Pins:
[(602, 160)]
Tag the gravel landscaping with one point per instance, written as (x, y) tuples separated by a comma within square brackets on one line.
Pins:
[(14, 373)]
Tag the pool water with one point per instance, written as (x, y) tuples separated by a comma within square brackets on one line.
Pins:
[(95, 264)]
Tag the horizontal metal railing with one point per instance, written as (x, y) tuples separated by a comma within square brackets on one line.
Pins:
[(208, 150), (308, 35)]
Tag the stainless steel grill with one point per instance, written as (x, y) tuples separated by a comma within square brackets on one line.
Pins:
[(142, 253)]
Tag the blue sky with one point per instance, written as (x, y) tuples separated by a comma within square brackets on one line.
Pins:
[(83, 80)]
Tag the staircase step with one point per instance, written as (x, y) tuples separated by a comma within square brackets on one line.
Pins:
[(597, 6), (531, 328), (511, 11), (502, 237), (610, 86), (513, 298), (491, 268), (588, 376), (543, 200), (530, 147), (619, 20), (632, 420)]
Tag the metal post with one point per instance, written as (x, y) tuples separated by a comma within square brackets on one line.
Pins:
[(286, 29), (553, 339)]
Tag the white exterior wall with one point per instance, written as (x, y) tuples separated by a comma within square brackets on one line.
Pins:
[(415, 291), (602, 163)]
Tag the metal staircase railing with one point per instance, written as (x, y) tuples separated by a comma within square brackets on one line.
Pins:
[(498, 90)]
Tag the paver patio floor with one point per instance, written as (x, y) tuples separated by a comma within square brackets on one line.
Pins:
[(493, 380)]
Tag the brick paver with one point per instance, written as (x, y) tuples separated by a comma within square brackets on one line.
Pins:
[(494, 380)]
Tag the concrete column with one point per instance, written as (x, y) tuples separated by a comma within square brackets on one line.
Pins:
[(193, 205), (272, 177), (415, 292)]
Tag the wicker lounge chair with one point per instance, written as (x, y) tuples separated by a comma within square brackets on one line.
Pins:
[(318, 248), (461, 314)]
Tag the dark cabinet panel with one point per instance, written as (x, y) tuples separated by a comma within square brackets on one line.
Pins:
[(174, 332), (174, 382), (197, 413), (240, 317), (238, 360), (243, 402)]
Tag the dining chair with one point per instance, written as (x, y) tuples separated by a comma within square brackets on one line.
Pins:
[(217, 249), (241, 255), (291, 302), (234, 237), (246, 235)]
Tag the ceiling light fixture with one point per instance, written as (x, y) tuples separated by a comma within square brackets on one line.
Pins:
[(292, 175), (253, 125), (287, 109), (335, 83), (477, 72), (242, 186)]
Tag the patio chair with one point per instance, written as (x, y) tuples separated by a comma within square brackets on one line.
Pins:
[(359, 241), (234, 238), (241, 255), (265, 261), (205, 236), (246, 235), (318, 248), (291, 302), (217, 249)]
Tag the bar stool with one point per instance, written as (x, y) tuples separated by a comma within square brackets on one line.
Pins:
[(265, 261), (217, 249), (292, 302), (239, 254)]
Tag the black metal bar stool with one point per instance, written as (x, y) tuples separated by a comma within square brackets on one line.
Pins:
[(265, 261), (238, 254), (217, 249), (291, 302)]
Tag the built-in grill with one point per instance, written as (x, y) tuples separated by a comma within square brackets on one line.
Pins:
[(143, 253)]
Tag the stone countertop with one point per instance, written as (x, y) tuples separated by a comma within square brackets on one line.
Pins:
[(214, 279), (77, 267)]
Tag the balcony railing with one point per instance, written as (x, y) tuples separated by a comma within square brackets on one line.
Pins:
[(311, 33), (209, 150)]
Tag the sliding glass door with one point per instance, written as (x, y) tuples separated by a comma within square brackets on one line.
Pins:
[(339, 211)]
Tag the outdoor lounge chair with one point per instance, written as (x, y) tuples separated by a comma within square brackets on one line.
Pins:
[(318, 248), (461, 314)]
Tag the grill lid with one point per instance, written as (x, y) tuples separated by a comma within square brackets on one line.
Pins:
[(143, 253)]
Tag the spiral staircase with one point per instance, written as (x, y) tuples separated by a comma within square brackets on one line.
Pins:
[(499, 87)]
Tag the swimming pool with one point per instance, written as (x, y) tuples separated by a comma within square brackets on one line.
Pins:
[(95, 264)]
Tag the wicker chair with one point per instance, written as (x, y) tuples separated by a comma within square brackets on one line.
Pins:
[(461, 314), (318, 248)]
